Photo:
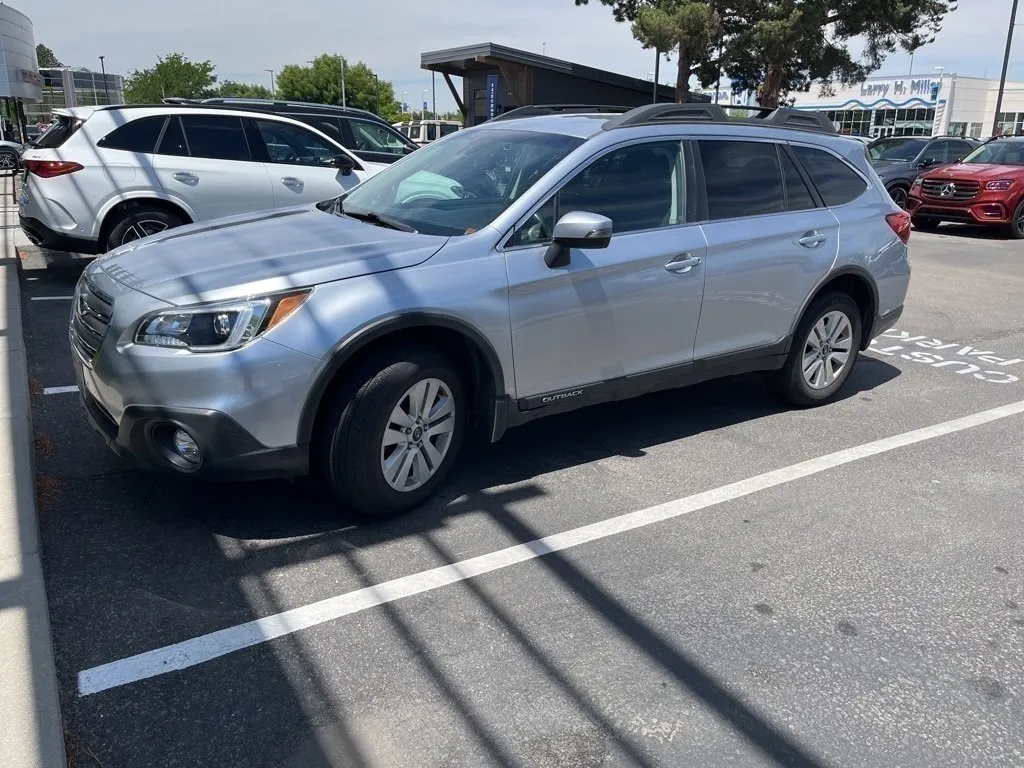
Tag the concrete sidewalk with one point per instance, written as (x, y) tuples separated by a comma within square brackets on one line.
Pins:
[(31, 735)]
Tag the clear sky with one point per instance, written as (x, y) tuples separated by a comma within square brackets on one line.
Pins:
[(243, 38)]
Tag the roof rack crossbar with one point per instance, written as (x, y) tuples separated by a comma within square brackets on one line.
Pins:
[(534, 110), (653, 114)]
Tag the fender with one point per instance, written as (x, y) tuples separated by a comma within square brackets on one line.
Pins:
[(496, 400), (142, 194), (850, 269)]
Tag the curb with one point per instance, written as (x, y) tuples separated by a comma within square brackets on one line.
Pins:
[(31, 732)]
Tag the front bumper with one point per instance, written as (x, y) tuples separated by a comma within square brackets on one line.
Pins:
[(986, 209), (229, 452)]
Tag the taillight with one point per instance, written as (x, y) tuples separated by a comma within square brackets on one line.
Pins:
[(900, 223), (47, 169)]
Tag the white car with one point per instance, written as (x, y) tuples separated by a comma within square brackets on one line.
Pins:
[(103, 176)]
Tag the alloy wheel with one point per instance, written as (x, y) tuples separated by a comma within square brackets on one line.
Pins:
[(899, 196), (141, 229), (418, 435), (827, 350), (7, 161)]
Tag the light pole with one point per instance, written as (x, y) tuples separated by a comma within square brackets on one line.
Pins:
[(543, 49), (405, 103), (1006, 63), (376, 81), (103, 71), (657, 70), (273, 85), (343, 100), (423, 93), (433, 92)]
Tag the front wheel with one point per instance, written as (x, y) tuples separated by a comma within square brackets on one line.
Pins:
[(1015, 230), (899, 195), (823, 354), (8, 160), (389, 439)]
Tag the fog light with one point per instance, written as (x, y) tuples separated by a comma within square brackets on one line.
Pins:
[(186, 446)]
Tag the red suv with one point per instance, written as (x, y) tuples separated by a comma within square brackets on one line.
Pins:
[(986, 188)]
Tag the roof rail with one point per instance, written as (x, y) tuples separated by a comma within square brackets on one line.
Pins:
[(782, 117), (535, 110)]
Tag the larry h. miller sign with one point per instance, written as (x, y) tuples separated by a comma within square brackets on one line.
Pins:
[(926, 88)]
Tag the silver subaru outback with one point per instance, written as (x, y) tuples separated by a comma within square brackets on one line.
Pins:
[(551, 259)]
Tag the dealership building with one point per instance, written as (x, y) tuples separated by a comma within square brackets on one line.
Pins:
[(921, 105), (20, 82), (62, 87)]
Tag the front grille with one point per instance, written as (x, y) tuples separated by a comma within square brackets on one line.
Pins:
[(90, 319), (950, 189)]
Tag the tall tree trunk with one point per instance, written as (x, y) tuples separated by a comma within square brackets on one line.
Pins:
[(771, 88), (683, 73)]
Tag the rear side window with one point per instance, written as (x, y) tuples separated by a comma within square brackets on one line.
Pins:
[(837, 182), (448, 128), (432, 132), (173, 142), (798, 196), (329, 125), (136, 136), (62, 130), (216, 137), (743, 178)]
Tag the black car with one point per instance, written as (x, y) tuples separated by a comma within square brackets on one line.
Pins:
[(898, 160), (367, 135)]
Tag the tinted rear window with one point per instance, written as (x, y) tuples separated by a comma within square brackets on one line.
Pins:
[(136, 136), (59, 132), (837, 182), (742, 178)]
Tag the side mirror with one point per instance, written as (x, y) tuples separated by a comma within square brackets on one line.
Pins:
[(577, 229), (344, 163), (927, 162)]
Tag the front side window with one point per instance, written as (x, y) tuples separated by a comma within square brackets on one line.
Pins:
[(743, 178), (216, 137), (371, 137), (458, 186), (137, 136), (448, 128), (292, 145), (837, 182), (998, 152)]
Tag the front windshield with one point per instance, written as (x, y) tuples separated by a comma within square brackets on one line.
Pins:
[(461, 184), (999, 152), (896, 149)]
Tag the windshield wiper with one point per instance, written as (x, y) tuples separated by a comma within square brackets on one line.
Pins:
[(371, 217)]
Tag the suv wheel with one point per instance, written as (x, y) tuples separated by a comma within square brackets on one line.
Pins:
[(1016, 228), (389, 439), (899, 195), (925, 224), (8, 160), (137, 223), (824, 351)]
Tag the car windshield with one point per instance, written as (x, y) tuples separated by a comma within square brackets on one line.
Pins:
[(896, 149), (998, 153), (461, 184)]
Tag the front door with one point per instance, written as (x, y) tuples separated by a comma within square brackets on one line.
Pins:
[(627, 309), (299, 164)]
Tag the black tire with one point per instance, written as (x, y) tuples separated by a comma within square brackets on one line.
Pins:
[(8, 160), (1015, 229), (899, 194), (140, 220), (350, 435), (789, 382), (925, 223)]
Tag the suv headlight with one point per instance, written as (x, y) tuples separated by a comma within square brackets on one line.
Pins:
[(917, 182), (1000, 185), (217, 327)]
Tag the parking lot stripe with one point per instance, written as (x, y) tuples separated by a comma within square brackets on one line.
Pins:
[(52, 298), (198, 650), (60, 390)]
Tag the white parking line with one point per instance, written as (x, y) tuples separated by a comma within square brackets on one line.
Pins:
[(204, 648), (60, 390), (52, 298)]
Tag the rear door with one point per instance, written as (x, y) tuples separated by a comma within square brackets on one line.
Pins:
[(298, 163), (205, 161), (770, 240)]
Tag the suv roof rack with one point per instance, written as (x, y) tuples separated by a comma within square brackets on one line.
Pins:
[(780, 117), (281, 108), (535, 110)]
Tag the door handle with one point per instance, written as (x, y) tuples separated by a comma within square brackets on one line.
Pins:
[(291, 181), (812, 239), (185, 176), (683, 263)]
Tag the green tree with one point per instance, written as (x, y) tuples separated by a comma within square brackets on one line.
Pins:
[(233, 90), (321, 83), (689, 30), (173, 75), (46, 57)]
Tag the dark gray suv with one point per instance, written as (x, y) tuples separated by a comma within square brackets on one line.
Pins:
[(899, 160)]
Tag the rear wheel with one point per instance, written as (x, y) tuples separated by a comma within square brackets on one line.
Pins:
[(389, 438), (8, 160), (824, 351), (1015, 230), (925, 223), (137, 223), (899, 194)]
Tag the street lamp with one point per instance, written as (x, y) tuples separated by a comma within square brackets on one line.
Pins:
[(273, 85), (424, 93), (1006, 63), (103, 71), (376, 81), (405, 103)]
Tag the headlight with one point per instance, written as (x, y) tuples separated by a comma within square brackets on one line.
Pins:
[(917, 182), (999, 185), (217, 327)]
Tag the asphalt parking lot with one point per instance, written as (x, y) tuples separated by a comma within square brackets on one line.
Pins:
[(863, 609)]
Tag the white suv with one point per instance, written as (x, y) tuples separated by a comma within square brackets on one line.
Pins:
[(106, 176)]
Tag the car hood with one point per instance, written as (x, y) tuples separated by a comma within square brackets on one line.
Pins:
[(262, 253), (979, 171)]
